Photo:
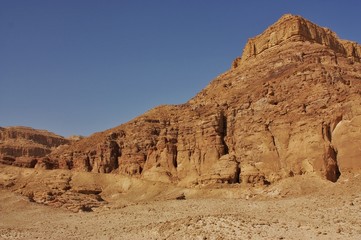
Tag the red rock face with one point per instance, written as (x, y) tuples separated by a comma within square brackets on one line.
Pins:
[(289, 105), (25, 147)]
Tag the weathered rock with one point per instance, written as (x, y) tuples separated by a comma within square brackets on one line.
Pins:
[(224, 170), (289, 105), (346, 142), (295, 28), (251, 175), (59, 189), (24, 146)]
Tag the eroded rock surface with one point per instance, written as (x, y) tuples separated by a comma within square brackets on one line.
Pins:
[(27, 147), (290, 105)]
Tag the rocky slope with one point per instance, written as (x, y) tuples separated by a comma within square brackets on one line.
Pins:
[(303, 207), (26, 147), (290, 105)]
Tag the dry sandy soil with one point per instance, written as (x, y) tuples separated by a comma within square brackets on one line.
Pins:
[(302, 207)]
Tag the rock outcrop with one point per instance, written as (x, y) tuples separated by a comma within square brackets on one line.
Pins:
[(290, 105), (26, 147), (296, 29)]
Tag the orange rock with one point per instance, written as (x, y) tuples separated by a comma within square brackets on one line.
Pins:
[(289, 105), (24, 146)]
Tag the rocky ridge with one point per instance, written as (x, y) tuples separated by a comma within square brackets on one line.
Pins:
[(27, 147), (290, 105)]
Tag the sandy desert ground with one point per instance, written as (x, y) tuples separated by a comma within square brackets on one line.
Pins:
[(302, 207)]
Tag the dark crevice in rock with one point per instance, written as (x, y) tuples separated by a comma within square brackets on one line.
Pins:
[(237, 178), (274, 144), (326, 132), (223, 132), (69, 164), (175, 154), (32, 163), (85, 208), (87, 164), (332, 170), (67, 185), (266, 182), (267, 128), (89, 191), (115, 153), (337, 120), (181, 197)]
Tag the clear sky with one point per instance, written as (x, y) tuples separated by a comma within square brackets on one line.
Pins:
[(82, 66)]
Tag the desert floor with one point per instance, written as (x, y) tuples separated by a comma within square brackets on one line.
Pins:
[(297, 208)]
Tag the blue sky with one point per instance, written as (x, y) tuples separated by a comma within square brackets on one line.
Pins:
[(82, 66)]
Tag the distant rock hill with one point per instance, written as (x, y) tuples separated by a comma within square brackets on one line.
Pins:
[(290, 105), (25, 147)]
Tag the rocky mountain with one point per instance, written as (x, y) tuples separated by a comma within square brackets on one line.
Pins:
[(26, 147), (290, 105)]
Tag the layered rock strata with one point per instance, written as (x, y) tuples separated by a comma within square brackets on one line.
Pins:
[(27, 147), (289, 105)]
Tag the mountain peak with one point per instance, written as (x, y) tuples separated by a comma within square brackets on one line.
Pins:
[(293, 28)]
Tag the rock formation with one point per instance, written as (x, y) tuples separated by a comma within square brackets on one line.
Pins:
[(26, 147), (289, 105)]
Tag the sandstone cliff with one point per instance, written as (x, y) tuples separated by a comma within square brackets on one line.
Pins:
[(289, 105), (26, 147), (296, 29)]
